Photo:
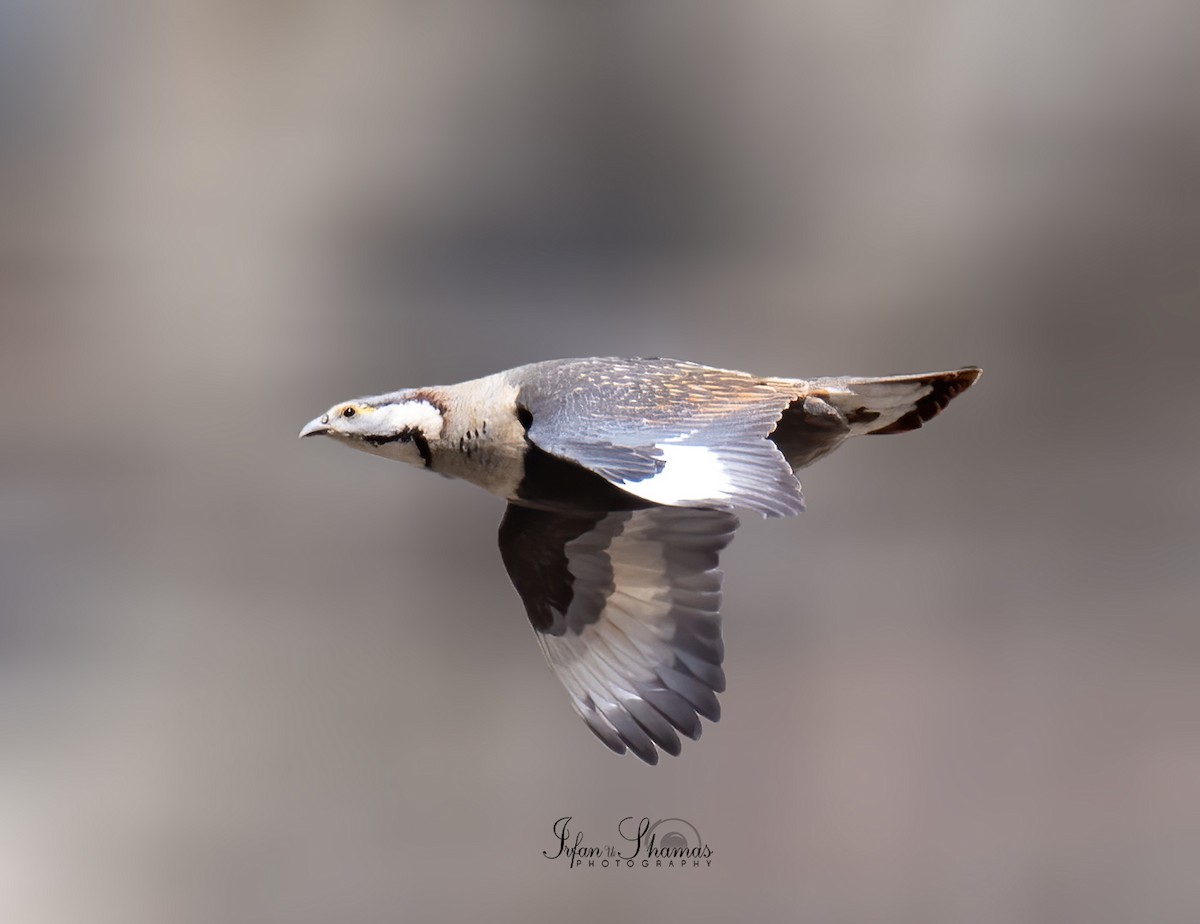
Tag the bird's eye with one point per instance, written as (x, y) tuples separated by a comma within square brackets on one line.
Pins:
[(348, 412)]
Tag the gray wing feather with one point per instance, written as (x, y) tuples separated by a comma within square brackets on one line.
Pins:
[(667, 431), (626, 611)]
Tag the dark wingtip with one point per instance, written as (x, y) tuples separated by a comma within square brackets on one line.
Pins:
[(614, 744), (945, 386)]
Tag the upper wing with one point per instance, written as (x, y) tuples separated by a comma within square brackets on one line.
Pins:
[(625, 606), (669, 432)]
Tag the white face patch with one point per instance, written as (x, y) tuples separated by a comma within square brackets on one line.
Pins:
[(392, 427), (690, 474), (407, 415)]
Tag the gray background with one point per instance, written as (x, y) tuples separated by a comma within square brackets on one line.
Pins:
[(248, 679)]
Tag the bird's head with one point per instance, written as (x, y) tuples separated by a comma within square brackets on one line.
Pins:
[(399, 426)]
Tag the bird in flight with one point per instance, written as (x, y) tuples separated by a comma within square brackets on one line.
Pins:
[(621, 477)]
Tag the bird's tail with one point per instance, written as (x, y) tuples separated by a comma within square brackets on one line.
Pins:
[(897, 403)]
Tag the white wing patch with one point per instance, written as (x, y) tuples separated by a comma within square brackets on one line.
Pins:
[(753, 475), (690, 475)]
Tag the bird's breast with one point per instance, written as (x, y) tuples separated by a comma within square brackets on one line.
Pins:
[(484, 444)]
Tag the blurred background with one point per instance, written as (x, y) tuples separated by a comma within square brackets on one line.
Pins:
[(248, 679)]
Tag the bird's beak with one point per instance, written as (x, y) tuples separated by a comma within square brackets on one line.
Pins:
[(315, 426)]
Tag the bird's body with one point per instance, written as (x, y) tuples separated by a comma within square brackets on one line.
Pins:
[(620, 475)]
